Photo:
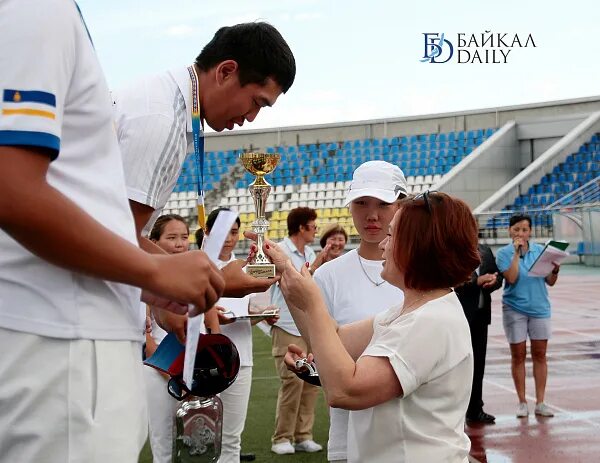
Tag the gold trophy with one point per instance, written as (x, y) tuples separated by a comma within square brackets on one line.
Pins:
[(259, 165)]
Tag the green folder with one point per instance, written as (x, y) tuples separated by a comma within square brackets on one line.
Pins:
[(562, 245)]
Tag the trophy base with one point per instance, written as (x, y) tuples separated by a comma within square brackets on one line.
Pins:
[(261, 270)]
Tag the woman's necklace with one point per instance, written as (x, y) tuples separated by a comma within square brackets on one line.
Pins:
[(404, 309), (413, 303), (376, 283), (408, 308)]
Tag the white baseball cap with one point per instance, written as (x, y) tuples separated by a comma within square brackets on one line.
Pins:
[(377, 179)]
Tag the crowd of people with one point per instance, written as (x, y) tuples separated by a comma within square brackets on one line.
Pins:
[(397, 326)]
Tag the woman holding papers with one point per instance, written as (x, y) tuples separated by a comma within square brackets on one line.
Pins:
[(170, 233), (526, 310), (235, 398)]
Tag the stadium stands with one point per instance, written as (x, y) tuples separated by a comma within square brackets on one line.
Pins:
[(317, 175), (579, 169)]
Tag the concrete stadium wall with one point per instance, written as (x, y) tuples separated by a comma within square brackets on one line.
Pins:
[(488, 168), (581, 132)]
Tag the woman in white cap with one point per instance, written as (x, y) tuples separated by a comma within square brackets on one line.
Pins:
[(352, 286)]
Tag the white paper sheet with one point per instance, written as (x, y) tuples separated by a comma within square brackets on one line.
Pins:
[(543, 265), (212, 247)]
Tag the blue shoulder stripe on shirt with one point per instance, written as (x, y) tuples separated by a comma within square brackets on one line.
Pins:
[(33, 96), (24, 138)]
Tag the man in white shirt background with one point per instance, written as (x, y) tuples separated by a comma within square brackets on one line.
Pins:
[(296, 399)]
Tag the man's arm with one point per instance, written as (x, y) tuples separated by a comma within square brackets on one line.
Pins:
[(141, 216), (54, 228)]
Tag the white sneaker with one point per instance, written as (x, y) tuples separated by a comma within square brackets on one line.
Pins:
[(309, 446), (522, 410), (542, 409), (283, 448)]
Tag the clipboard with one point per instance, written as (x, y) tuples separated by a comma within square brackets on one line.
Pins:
[(256, 316), (554, 251)]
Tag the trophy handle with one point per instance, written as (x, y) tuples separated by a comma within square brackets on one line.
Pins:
[(259, 190)]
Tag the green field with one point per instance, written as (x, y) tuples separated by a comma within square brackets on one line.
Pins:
[(261, 412)]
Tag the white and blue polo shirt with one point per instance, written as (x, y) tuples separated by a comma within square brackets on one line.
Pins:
[(53, 95)]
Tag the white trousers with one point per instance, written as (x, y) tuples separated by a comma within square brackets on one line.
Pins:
[(161, 415), (67, 401), (235, 407)]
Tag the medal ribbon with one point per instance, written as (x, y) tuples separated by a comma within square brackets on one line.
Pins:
[(198, 136)]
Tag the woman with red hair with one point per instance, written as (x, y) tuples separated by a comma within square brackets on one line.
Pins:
[(405, 375)]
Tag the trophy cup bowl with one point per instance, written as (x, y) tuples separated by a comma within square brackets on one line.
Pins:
[(259, 165)]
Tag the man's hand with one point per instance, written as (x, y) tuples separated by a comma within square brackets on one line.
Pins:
[(487, 280), (189, 277), (239, 284), (224, 319), (171, 323), (163, 303), (271, 308)]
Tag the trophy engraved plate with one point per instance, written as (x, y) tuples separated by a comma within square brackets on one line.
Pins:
[(259, 165)]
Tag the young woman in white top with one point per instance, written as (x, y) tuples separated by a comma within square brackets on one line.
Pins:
[(352, 286), (406, 373), (170, 232), (235, 397)]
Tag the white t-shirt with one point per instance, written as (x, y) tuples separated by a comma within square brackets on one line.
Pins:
[(286, 321), (350, 297), (54, 96), (240, 332), (430, 351), (154, 129)]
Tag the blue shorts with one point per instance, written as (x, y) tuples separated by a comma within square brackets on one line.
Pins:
[(517, 326)]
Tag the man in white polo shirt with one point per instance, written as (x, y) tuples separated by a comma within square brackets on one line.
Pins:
[(70, 325), (295, 413), (243, 69)]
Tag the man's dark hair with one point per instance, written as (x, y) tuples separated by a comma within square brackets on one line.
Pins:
[(258, 48), (518, 218), (299, 217)]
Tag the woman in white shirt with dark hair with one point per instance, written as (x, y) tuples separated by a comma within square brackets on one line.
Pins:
[(235, 398), (406, 373)]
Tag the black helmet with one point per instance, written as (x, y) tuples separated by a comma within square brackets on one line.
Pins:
[(215, 368)]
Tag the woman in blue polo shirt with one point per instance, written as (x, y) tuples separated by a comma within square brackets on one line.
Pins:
[(526, 310)]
